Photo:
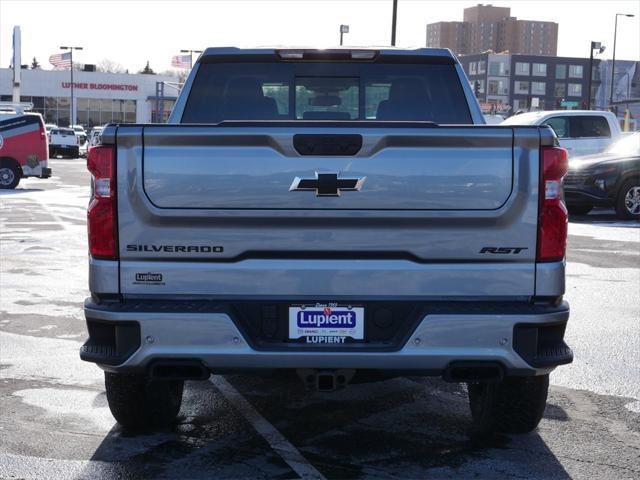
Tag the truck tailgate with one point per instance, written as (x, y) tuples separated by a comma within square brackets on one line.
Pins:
[(442, 212), (408, 169)]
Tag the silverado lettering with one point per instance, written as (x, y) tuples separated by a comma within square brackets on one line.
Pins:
[(175, 248)]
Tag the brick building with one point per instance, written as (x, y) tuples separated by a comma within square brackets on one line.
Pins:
[(485, 27)]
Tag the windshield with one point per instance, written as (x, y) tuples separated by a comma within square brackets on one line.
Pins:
[(326, 91), (627, 145)]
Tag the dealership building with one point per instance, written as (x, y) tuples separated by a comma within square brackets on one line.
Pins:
[(99, 97)]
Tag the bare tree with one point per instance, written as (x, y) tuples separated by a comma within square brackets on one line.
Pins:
[(107, 65), (181, 75)]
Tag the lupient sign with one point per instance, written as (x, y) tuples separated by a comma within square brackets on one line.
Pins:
[(101, 86)]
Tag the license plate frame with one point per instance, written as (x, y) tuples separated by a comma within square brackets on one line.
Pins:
[(329, 323)]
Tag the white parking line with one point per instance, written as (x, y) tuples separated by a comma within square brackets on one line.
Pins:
[(274, 438)]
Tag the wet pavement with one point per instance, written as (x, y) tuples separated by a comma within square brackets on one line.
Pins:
[(55, 423)]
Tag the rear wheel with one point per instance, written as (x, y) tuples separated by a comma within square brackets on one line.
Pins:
[(579, 209), (138, 403), (515, 405), (628, 201), (9, 174)]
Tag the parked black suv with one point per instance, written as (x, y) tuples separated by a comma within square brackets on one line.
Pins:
[(608, 179)]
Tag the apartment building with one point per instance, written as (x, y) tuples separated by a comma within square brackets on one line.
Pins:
[(509, 83), (488, 28)]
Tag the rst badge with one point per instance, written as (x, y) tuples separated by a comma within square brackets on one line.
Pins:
[(326, 323)]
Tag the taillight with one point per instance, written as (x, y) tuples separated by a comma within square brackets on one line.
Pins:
[(102, 222), (553, 217)]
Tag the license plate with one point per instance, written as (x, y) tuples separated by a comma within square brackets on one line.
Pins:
[(326, 323)]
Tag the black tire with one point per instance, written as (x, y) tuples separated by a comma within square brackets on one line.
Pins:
[(75, 153), (624, 209), (579, 209), (138, 403), (10, 174), (515, 405)]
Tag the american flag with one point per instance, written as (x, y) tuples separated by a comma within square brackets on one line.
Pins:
[(59, 60), (181, 61)]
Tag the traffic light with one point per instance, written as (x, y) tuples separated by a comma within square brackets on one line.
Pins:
[(476, 89)]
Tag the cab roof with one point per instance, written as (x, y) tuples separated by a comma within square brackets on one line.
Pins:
[(343, 53)]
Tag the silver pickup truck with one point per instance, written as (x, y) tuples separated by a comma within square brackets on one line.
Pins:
[(339, 214)]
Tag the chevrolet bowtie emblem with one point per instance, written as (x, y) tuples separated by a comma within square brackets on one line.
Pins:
[(326, 184)]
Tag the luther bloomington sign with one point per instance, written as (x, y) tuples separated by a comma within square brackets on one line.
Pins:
[(101, 86)]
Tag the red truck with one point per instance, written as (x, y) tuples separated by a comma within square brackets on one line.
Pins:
[(24, 151)]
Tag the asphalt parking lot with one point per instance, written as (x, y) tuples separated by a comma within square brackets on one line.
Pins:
[(55, 423)]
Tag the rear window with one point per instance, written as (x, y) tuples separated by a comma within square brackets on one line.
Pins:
[(326, 91), (62, 131), (590, 127)]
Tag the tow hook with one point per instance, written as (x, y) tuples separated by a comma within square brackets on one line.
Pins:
[(325, 380)]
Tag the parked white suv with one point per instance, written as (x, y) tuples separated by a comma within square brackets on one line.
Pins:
[(581, 132)]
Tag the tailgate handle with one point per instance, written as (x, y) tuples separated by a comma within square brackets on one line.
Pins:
[(327, 145)]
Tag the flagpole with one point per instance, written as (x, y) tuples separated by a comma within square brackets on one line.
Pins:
[(71, 113), (72, 120)]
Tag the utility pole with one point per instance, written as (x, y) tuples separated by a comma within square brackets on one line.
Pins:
[(72, 117), (191, 52), (394, 19)]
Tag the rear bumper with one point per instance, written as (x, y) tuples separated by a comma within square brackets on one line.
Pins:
[(524, 339)]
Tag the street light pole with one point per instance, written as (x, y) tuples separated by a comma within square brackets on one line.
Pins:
[(343, 29), (594, 46), (394, 18), (72, 116), (613, 62), (191, 52)]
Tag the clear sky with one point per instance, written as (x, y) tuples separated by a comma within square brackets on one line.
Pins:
[(130, 32)]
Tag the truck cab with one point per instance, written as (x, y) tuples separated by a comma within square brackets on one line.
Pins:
[(580, 132)]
